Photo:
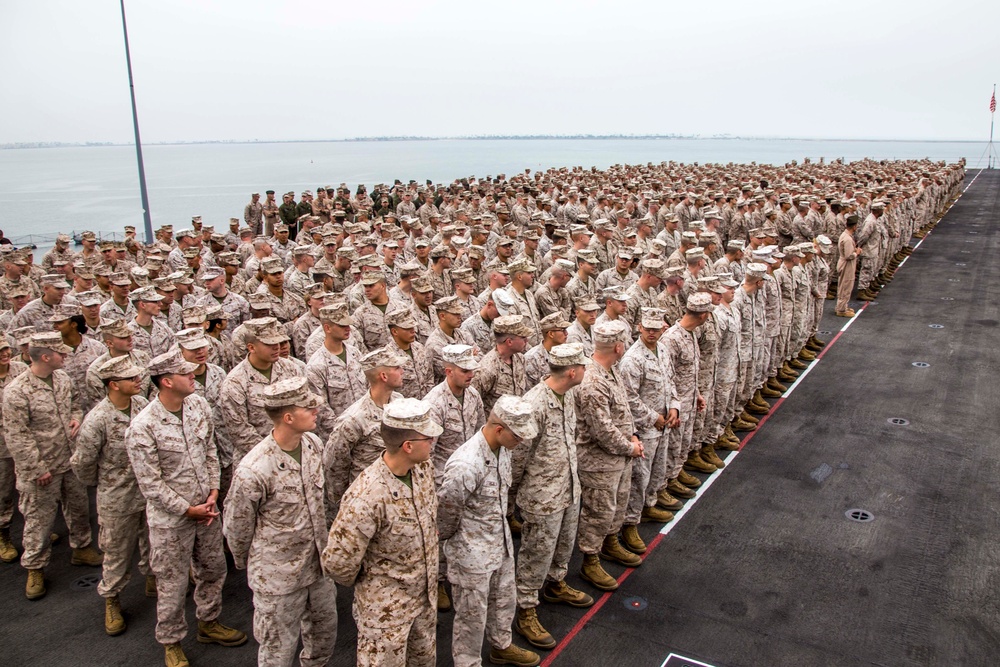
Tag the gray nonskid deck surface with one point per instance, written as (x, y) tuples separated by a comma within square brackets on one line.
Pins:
[(764, 569)]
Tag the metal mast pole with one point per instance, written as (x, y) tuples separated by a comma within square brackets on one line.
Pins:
[(147, 222), (989, 147)]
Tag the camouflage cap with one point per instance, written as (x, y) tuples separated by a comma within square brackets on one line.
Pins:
[(147, 293), (227, 259), (267, 330), (259, 301), (89, 298), (611, 331), (512, 325), (402, 318), (554, 322), (190, 253), (195, 314), (291, 392), (522, 264), (700, 302), (212, 272), (24, 334), (171, 362), (586, 303), (616, 292), (191, 339), (118, 367), (50, 340), (588, 256), (372, 277), (54, 280), (64, 311), (569, 354), (336, 314), (213, 311), (20, 289), (652, 318), (460, 355), (164, 284), (411, 414), (463, 276), (272, 265), (115, 328), (516, 414), (82, 270), (440, 251), (383, 357), (422, 283), (449, 304)]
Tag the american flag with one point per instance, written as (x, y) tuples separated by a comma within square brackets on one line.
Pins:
[(993, 102)]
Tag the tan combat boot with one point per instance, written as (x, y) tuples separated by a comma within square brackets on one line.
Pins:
[(758, 400), (213, 632), (514, 655), (798, 364), (709, 456), (741, 425), (695, 463), (174, 656), (655, 515), (35, 589), (444, 602), (634, 543), (730, 436), (776, 385), (666, 501), (690, 481), (114, 622), (747, 417), (515, 524), (86, 556), (151, 585), (8, 552), (613, 550), (593, 571), (806, 355), (789, 371), (725, 444), (527, 625), (768, 392), (559, 592), (679, 490), (755, 409)]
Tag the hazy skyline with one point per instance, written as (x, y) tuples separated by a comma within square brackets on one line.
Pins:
[(301, 69)]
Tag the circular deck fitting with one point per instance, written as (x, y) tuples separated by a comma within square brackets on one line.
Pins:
[(935, 326), (859, 515), (86, 582), (973, 232), (898, 421), (954, 280), (825, 333), (947, 298), (635, 603), (921, 364)]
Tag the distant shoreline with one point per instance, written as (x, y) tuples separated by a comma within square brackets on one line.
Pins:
[(539, 137)]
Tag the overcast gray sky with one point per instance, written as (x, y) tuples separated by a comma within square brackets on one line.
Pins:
[(322, 69)]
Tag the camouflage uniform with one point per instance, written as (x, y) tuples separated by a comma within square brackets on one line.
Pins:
[(243, 403), (76, 364), (176, 466), (7, 480), (549, 301), (384, 543), (727, 328), (101, 458), (285, 308), (301, 329), (339, 384), (235, 307), (34, 314), (154, 342), (354, 444), (577, 334), (426, 320), (459, 419), (604, 429), (275, 525), (708, 348), (536, 365), (472, 506), (649, 384), (494, 378), (36, 421), (436, 341), (94, 385), (481, 332), (682, 347), (369, 323), (548, 493), (111, 311), (418, 374), (524, 305)]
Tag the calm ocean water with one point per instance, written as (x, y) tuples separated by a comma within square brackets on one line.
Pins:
[(47, 190)]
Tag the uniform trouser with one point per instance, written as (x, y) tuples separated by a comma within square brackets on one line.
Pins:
[(174, 551), (679, 442), (703, 420), (818, 304), (225, 480), (761, 361), (546, 546), (795, 338), (484, 605), (412, 643), (744, 388), (7, 486), (845, 286), (724, 407), (648, 475), (603, 501), (39, 505), (776, 356), (118, 537), (868, 271), (786, 344), (278, 620)]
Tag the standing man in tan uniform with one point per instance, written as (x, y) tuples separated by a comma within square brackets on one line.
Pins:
[(846, 266), (384, 543)]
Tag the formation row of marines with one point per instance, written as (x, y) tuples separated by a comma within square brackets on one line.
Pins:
[(386, 400)]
